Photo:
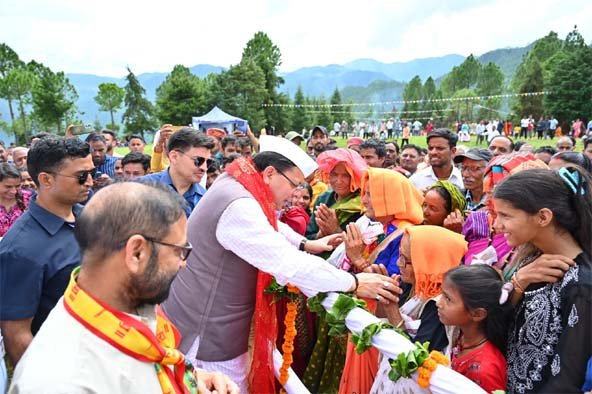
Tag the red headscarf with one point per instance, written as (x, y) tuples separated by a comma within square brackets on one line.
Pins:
[(354, 164)]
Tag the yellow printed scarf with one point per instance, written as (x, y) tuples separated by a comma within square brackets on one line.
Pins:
[(134, 338)]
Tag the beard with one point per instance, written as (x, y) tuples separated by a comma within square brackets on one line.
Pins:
[(152, 286)]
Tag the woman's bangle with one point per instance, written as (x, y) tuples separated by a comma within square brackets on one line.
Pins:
[(516, 282), (357, 282)]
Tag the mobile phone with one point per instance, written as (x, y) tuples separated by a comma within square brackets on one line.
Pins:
[(78, 129), (98, 174)]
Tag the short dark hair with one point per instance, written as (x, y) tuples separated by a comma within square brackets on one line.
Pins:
[(188, 138), (105, 228), (378, 146), (546, 149), (110, 132), (228, 140), (49, 154), (244, 141), (136, 157), (518, 145), (137, 136), (395, 144), (265, 159), (506, 137), (41, 135), (412, 146), (94, 137), (587, 141), (448, 135)]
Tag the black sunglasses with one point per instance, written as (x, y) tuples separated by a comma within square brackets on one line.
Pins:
[(198, 161), (81, 177), (184, 250)]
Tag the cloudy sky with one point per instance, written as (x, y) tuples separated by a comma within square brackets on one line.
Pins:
[(103, 37)]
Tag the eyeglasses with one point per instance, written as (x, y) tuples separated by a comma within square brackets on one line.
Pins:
[(294, 185), (471, 169), (198, 161), (81, 177), (184, 250)]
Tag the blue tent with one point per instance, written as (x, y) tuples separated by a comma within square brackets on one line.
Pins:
[(219, 119)]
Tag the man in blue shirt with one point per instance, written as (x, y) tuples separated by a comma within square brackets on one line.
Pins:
[(39, 251), (103, 162), (189, 152)]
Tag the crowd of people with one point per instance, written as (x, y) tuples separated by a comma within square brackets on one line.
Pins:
[(151, 273)]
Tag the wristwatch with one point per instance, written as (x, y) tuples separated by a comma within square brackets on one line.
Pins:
[(302, 243)]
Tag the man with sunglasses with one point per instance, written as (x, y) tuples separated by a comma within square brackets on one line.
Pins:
[(189, 153), (238, 244), (109, 335), (39, 251)]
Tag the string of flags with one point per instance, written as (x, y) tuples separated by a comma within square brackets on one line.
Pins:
[(385, 112), (432, 100)]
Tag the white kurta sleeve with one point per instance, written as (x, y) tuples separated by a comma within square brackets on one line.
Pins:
[(244, 230)]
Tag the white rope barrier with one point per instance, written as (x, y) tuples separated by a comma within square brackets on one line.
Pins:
[(443, 380)]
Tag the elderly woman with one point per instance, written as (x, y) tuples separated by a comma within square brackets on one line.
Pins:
[(393, 202), (423, 264), (342, 204), (442, 200)]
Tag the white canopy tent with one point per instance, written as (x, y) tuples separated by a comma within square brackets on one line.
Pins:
[(219, 119)]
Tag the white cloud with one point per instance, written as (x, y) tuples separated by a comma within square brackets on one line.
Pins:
[(104, 37)]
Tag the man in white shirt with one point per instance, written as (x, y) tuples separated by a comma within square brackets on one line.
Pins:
[(233, 229), (441, 150), (105, 335)]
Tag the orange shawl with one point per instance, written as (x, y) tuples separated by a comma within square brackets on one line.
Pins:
[(434, 250), (393, 194)]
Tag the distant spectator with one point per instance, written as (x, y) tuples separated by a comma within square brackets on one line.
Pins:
[(245, 147), (111, 142), (136, 143), (19, 157), (295, 137), (118, 169), (501, 145), (392, 154), (545, 153), (566, 143), (354, 143), (135, 165), (373, 152), (103, 162), (26, 180), (410, 157), (213, 173), (3, 154)]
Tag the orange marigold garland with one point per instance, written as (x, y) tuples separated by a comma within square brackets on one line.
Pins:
[(428, 366), (289, 335)]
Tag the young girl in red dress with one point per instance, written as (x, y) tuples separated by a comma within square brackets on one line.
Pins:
[(475, 299)]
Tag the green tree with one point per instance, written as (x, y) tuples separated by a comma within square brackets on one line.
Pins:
[(571, 96), (336, 107), (533, 82), (348, 115), (300, 116), (265, 54), (110, 99), (9, 60), (413, 92), (323, 117), (468, 72), (54, 97), (19, 83), (240, 90), (180, 97), (490, 83), (138, 115), (429, 93)]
